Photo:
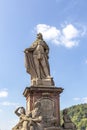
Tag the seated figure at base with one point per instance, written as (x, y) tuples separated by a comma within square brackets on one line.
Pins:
[(20, 111), (33, 121), (68, 124), (36, 122)]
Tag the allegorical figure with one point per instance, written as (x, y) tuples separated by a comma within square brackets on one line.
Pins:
[(36, 59), (36, 122), (20, 112), (68, 124), (33, 121)]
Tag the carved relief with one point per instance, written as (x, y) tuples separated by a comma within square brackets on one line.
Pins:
[(48, 109)]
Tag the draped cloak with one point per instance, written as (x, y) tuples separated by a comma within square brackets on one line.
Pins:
[(29, 61)]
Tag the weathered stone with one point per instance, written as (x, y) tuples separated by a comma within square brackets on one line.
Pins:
[(32, 121), (53, 128), (68, 124), (36, 62), (42, 97), (43, 82), (49, 98)]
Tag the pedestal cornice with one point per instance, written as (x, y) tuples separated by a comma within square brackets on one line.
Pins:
[(32, 89)]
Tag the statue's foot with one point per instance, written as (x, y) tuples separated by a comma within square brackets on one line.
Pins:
[(48, 77)]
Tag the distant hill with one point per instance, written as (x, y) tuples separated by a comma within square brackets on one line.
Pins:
[(78, 114)]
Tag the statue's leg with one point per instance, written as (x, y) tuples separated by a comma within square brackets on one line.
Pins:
[(37, 66), (25, 125), (45, 67), (16, 127)]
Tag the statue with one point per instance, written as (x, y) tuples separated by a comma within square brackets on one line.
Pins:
[(36, 59), (33, 121), (68, 124), (20, 111), (36, 122)]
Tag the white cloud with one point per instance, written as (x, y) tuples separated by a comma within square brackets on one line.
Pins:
[(70, 32), (81, 100), (76, 99), (3, 93), (84, 100), (49, 32), (0, 110), (67, 36), (6, 103), (84, 30)]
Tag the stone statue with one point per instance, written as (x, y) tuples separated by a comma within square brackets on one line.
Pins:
[(33, 121), (20, 111), (36, 122), (36, 59), (68, 124)]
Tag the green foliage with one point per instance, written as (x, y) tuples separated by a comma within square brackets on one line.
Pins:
[(78, 114)]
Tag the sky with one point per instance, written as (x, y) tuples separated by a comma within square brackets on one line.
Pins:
[(63, 24)]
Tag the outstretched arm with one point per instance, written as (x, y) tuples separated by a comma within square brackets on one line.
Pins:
[(38, 119), (16, 111), (31, 48)]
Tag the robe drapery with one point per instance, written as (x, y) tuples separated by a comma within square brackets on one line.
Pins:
[(29, 60), (29, 64)]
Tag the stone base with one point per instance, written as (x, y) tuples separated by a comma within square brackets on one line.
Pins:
[(68, 129), (50, 102), (58, 128), (53, 128), (42, 82), (69, 126)]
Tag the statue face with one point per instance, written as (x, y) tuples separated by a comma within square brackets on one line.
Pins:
[(39, 36), (22, 111)]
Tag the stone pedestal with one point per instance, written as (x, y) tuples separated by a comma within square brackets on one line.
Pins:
[(42, 82), (50, 102)]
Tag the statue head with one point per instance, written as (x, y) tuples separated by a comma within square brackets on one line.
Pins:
[(22, 110), (39, 36), (65, 111)]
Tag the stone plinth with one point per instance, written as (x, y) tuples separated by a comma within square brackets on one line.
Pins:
[(50, 102), (53, 128), (42, 82)]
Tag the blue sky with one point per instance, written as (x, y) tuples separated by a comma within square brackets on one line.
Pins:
[(64, 27)]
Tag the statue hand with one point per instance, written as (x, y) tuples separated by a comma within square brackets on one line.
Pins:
[(25, 51), (27, 119)]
